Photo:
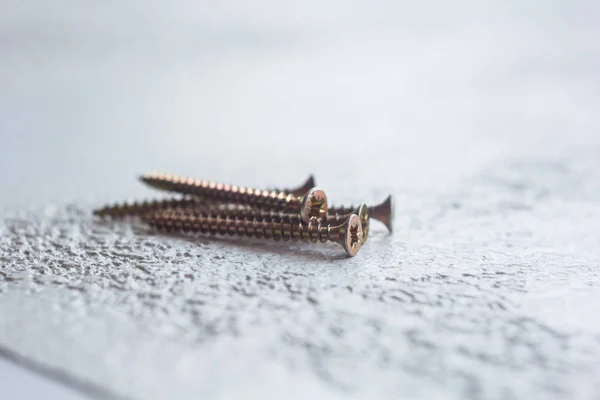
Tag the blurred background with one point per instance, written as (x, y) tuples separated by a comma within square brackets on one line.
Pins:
[(380, 93)]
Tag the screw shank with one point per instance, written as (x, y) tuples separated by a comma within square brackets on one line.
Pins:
[(224, 192), (142, 207), (275, 228)]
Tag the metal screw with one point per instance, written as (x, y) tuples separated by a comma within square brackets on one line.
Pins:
[(348, 234), (266, 215), (312, 204), (383, 212), (156, 180)]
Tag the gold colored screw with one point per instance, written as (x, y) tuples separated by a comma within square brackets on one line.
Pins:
[(312, 204), (298, 191), (265, 215), (348, 234)]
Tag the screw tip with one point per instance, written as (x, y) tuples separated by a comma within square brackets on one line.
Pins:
[(155, 180)]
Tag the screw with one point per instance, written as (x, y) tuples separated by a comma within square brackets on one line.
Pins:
[(348, 234), (267, 215), (155, 180), (383, 212), (312, 204)]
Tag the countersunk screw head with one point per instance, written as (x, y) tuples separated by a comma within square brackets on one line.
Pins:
[(352, 232), (314, 205), (310, 183), (384, 212), (363, 214)]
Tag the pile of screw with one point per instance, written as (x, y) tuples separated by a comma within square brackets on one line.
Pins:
[(298, 214)]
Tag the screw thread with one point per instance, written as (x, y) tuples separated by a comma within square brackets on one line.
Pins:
[(383, 212), (224, 192), (276, 228), (340, 214), (241, 211), (138, 208), (341, 210)]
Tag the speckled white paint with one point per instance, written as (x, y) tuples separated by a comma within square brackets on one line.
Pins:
[(482, 123)]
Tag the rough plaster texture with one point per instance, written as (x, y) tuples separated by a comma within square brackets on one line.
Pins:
[(483, 124)]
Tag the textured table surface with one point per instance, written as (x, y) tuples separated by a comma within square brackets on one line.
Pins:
[(482, 121)]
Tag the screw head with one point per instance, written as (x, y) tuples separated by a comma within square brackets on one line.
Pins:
[(310, 182), (353, 235), (384, 212), (305, 187), (314, 205), (363, 214)]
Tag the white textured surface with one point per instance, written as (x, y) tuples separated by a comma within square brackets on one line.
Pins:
[(482, 121), (21, 383)]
